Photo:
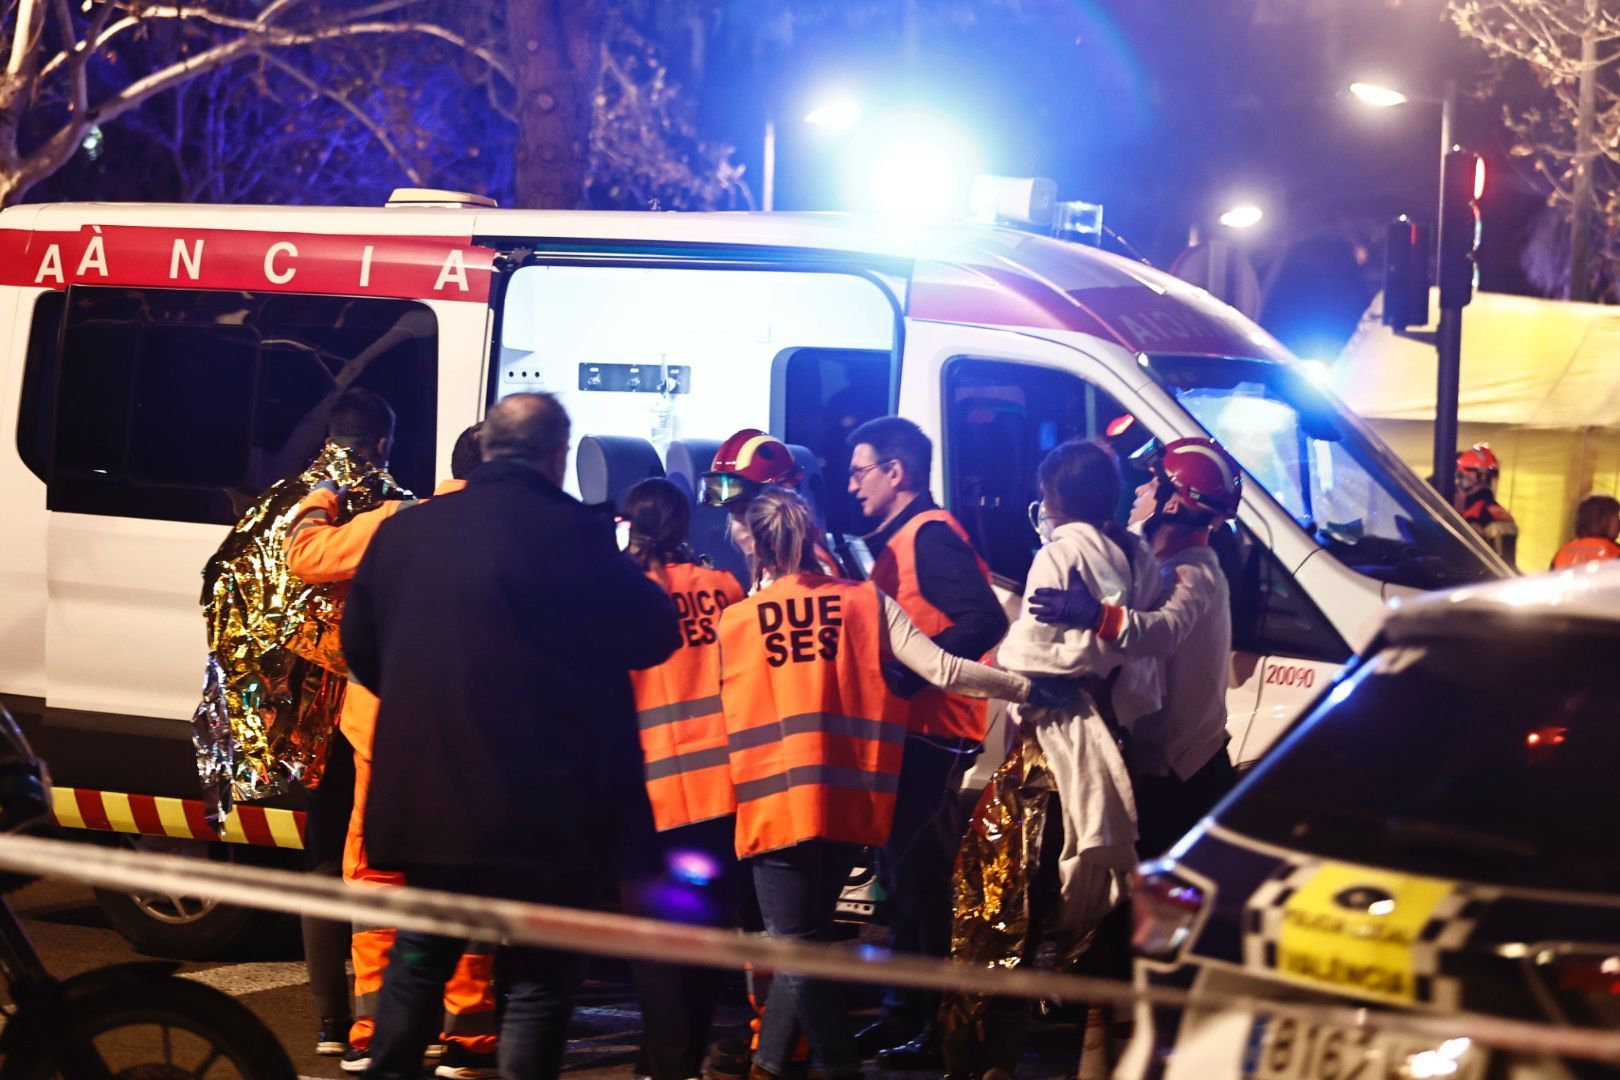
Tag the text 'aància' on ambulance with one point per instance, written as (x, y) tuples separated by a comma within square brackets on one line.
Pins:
[(160, 363)]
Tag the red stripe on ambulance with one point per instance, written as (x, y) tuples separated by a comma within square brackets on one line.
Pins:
[(406, 267)]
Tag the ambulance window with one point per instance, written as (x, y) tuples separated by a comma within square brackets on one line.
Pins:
[(39, 383), (1001, 420), (1271, 615), (825, 394), (184, 405)]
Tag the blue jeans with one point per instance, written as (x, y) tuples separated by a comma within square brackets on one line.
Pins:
[(538, 985), (798, 891)]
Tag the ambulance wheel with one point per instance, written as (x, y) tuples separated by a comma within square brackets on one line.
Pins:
[(187, 927)]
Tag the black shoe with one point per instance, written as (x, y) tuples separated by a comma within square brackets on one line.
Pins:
[(919, 1055), (883, 1034), (357, 1060), (333, 1037), (459, 1063), (729, 1059)]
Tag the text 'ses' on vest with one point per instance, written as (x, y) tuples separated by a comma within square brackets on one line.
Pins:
[(931, 711), (815, 736), (683, 733)]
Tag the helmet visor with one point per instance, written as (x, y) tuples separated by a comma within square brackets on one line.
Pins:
[(723, 489)]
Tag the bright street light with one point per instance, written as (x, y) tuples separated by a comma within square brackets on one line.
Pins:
[(1242, 217), (839, 114), (1380, 97)]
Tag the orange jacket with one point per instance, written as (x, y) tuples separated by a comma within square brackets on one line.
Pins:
[(320, 551), (1584, 550), (930, 711), (815, 737), (683, 733)]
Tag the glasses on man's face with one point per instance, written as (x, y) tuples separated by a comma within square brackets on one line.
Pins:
[(856, 474)]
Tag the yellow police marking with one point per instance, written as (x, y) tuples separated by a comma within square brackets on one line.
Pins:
[(172, 813), (284, 828), (1353, 929), (66, 808), (115, 804)]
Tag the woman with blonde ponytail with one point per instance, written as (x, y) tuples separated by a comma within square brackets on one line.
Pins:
[(815, 746)]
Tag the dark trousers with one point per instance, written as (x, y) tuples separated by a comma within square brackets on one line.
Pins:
[(698, 885), (798, 891), (1167, 808), (326, 824), (915, 866), (538, 984)]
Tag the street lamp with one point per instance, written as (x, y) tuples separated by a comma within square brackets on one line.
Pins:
[(1379, 97), (1245, 216), (835, 115)]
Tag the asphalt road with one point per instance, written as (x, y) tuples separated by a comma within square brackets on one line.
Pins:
[(67, 927)]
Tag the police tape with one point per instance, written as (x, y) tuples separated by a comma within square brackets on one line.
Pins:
[(635, 938)]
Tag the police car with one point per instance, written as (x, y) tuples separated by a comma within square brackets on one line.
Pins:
[(1436, 835)]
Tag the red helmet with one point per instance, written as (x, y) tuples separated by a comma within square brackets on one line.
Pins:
[(1478, 458), (1203, 473), (746, 462)]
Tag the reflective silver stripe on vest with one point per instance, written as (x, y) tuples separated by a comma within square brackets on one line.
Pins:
[(854, 727), (821, 775), (681, 710), (685, 763)]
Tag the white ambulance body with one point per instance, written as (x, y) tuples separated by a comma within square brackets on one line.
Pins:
[(159, 365)]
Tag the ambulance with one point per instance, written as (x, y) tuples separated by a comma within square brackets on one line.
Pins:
[(160, 365)]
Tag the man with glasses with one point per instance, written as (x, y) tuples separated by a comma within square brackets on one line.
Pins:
[(925, 562)]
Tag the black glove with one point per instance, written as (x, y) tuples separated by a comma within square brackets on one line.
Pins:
[(1052, 692), (1074, 606), (901, 680)]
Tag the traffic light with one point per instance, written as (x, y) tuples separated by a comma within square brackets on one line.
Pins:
[(1464, 183), (1406, 273)]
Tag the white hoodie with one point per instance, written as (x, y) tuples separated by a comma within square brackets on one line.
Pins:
[(1099, 810)]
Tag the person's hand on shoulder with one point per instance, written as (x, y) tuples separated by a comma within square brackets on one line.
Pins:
[(1073, 606)]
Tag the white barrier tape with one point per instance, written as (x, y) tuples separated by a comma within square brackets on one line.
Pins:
[(629, 937)]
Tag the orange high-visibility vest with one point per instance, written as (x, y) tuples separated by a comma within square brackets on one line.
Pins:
[(931, 711), (815, 736), (1584, 550), (683, 734)]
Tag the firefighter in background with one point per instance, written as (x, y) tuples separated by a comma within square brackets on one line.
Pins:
[(745, 465), (319, 550), (683, 740), (924, 561), (1597, 527), (804, 699), (1475, 499), (276, 675)]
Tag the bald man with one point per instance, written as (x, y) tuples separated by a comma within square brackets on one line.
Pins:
[(497, 625)]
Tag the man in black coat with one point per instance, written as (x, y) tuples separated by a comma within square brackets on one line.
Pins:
[(497, 625)]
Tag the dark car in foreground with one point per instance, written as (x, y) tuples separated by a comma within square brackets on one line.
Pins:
[(1440, 833)]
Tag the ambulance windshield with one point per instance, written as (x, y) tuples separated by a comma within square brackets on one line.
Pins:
[(1355, 498)]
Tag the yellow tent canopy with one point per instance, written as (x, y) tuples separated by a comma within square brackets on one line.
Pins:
[(1540, 384)]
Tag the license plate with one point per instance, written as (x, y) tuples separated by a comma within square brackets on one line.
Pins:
[(1283, 1048)]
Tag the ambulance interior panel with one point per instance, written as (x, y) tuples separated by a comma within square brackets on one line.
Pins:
[(731, 330)]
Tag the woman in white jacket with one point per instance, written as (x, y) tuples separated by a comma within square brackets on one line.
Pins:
[(1050, 846)]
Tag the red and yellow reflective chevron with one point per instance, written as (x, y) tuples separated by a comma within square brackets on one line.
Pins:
[(180, 819)]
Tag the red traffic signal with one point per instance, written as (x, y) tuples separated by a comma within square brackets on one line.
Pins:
[(1463, 180)]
